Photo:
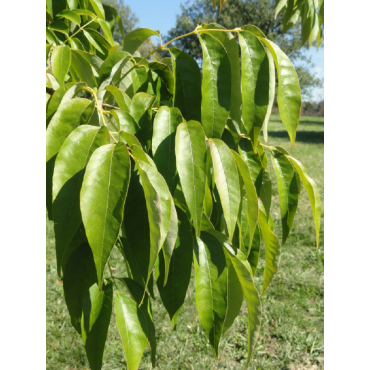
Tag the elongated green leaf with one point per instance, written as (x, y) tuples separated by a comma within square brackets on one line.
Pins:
[(272, 250), (187, 95), (60, 62), (289, 92), (255, 84), (137, 291), (138, 152), (210, 286), (98, 8), (70, 15), (140, 110), (173, 293), (97, 40), (65, 120), (208, 204), (260, 176), (121, 97), (280, 6), (130, 321), (163, 143), (67, 180), (129, 139), (117, 17), (103, 195), (135, 38), (84, 12), (289, 187), (82, 69), (245, 276), (126, 122), (272, 82), (313, 194), (250, 190), (107, 32), (315, 30), (158, 202), (229, 42), (79, 276), (96, 314), (190, 162), (227, 181), (216, 86)]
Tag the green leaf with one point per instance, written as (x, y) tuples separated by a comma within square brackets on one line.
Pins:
[(79, 276), (254, 252), (140, 110), (65, 120), (260, 176), (136, 292), (60, 62), (103, 195), (235, 295), (229, 42), (272, 250), (125, 122), (163, 143), (56, 100), (289, 187), (98, 8), (55, 6), (315, 30), (117, 18), (60, 26), (210, 286), (85, 12), (70, 15), (51, 38), (174, 292), (227, 181), (158, 201), (280, 6), (165, 74), (110, 62), (208, 204), (255, 84), (107, 32), (250, 190), (289, 92), (191, 152), (170, 241), (96, 314), (67, 180), (245, 276), (92, 59), (131, 325), (187, 95), (135, 38), (216, 86), (272, 82), (121, 97), (313, 194), (97, 40), (82, 69)]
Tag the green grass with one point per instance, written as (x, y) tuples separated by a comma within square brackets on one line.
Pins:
[(292, 334)]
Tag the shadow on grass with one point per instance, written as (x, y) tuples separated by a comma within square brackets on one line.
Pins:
[(313, 137)]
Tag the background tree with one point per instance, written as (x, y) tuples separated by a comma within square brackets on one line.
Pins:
[(260, 13)]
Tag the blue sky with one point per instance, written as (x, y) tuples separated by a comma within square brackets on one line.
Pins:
[(161, 15)]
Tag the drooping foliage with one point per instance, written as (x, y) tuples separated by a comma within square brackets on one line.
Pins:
[(164, 162)]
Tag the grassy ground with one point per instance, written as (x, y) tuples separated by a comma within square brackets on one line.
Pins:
[(292, 334)]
